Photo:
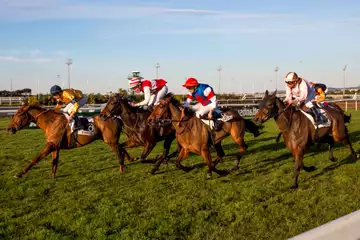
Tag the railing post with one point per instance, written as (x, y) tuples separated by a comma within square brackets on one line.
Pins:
[(346, 107), (356, 105)]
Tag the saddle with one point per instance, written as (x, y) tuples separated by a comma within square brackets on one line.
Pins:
[(82, 125), (324, 120), (219, 117)]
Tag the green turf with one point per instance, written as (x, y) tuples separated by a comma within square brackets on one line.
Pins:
[(91, 199)]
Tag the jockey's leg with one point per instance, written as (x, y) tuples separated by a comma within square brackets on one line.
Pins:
[(202, 110), (312, 110)]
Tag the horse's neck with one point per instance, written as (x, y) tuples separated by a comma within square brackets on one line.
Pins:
[(284, 118), (36, 115), (128, 116), (175, 112)]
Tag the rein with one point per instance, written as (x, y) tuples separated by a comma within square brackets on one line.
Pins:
[(37, 116)]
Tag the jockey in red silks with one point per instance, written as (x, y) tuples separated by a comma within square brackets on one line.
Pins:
[(299, 91), (154, 90)]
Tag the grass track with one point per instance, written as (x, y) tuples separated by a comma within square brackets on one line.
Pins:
[(91, 199)]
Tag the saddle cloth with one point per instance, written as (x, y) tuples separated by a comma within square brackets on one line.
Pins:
[(218, 115), (325, 121), (87, 125)]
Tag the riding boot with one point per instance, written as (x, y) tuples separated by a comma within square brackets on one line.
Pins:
[(315, 114), (77, 124)]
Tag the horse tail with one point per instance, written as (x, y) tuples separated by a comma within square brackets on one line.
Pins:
[(347, 118), (252, 127)]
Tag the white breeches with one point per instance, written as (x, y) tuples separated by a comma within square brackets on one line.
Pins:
[(200, 109), (70, 107), (155, 98)]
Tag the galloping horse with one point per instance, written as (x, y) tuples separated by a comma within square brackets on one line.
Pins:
[(58, 134), (347, 118), (299, 132), (137, 129), (194, 136)]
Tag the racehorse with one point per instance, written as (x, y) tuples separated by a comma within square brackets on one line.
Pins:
[(347, 118), (58, 134), (299, 132), (137, 129), (194, 136)]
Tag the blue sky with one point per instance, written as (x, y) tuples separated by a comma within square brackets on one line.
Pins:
[(108, 39)]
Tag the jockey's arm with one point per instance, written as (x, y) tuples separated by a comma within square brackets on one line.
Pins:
[(147, 95), (76, 106), (303, 92), (288, 95), (58, 106), (209, 93), (188, 100), (321, 96)]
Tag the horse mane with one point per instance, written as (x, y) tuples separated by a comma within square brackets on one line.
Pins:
[(189, 112)]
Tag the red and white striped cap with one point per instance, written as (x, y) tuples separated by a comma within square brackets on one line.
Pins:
[(134, 82)]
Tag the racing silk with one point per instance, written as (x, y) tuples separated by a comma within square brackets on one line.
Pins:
[(203, 94), (150, 87), (69, 96), (320, 90), (302, 92)]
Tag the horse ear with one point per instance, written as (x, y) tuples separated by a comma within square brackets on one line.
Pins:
[(274, 93), (266, 92)]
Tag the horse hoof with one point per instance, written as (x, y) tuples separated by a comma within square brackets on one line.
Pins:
[(235, 168), (295, 186), (334, 159), (310, 169), (208, 176), (19, 175), (121, 169)]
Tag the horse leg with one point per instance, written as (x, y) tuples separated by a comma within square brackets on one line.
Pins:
[(128, 144), (329, 140), (120, 153), (240, 141), (182, 155), (55, 160), (220, 153), (205, 154), (165, 156), (149, 146), (49, 147), (347, 143), (299, 164), (167, 145)]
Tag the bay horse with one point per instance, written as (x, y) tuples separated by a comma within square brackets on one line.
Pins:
[(194, 136), (299, 132), (137, 129), (58, 134), (347, 118)]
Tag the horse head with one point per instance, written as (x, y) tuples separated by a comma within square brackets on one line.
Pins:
[(161, 110), (20, 120), (267, 107), (116, 105)]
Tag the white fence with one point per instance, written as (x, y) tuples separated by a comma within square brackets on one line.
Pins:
[(346, 227)]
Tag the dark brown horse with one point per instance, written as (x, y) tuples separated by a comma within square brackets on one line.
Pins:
[(299, 132), (58, 134), (136, 127), (347, 118), (194, 136)]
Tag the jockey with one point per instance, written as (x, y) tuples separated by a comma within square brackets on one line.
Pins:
[(154, 90), (300, 90), (320, 91), (203, 94), (74, 99), (206, 100)]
